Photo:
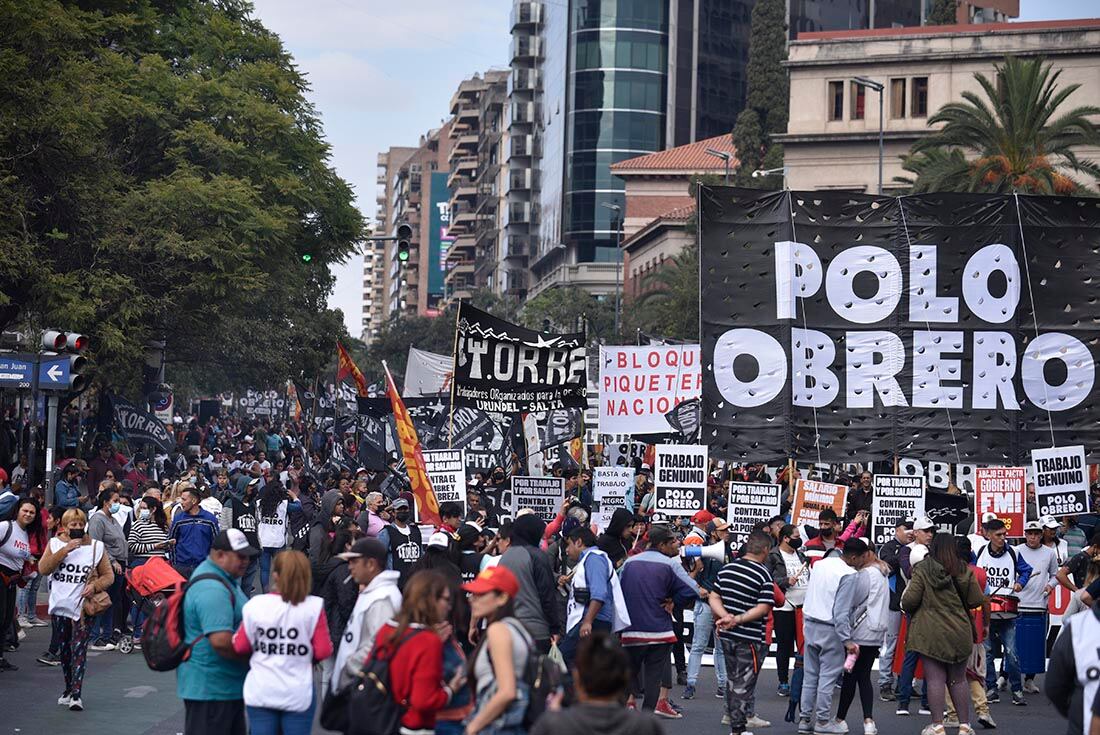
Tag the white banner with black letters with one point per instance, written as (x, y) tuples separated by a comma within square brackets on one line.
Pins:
[(541, 494), (896, 498), (1061, 480), (680, 478), (751, 503), (447, 473)]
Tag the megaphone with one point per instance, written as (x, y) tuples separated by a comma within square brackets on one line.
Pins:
[(696, 551)]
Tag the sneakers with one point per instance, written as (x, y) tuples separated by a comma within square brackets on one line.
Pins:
[(886, 693), (689, 691), (933, 730), (75, 705), (23, 621), (1030, 687), (6, 665), (1018, 699), (49, 659), (664, 709), (65, 700), (950, 721), (725, 719), (784, 690), (903, 710), (965, 729), (673, 705), (870, 728), (102, 646), (987, 722), (924, 710), (993, 696), (757, 721), (630, 703), (831, 728), (681, 677), (38, 622), (1002, 683), (720, 692), (805, 727)]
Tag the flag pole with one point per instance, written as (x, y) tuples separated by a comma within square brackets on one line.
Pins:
[(454, 367)]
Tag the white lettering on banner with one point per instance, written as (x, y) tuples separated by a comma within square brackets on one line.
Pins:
[(873, 359), (640, 384), (543, 495), (896, 498), (1061, 480), (1000, 490), (680, 478), (751, 503), (812, 497)]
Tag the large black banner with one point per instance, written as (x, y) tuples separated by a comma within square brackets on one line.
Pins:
[(139, 426), (856, 327), (505, 368)]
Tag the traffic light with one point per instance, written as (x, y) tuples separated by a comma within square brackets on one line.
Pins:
[(306, 258), (74, 345), (404, 235)]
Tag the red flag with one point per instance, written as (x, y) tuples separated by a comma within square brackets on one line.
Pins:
[(421, 486), (346, 368)]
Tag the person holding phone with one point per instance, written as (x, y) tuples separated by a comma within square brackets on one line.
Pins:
[(78, 567)]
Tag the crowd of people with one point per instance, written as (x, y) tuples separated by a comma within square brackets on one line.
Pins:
[(294, 564)]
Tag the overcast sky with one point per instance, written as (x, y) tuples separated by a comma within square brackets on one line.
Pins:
[(383, 72)]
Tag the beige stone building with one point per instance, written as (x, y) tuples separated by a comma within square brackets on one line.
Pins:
[(832, 136)]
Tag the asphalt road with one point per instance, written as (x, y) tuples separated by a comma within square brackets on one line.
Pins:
[(123, 697)]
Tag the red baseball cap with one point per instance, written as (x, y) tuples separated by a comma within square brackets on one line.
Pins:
[(494, 579), (702, 518)]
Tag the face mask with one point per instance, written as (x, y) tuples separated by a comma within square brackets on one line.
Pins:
[(828, 533), (144, 514), (115, 507), (402, 515), (795, 542)]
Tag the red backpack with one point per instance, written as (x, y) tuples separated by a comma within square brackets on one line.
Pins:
[(163, 641)]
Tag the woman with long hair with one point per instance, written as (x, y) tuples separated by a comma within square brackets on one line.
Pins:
[(272, 527), (938, 600), (413, 644), (15, 552), (148, 538), (78, 568), (498, 662), (286, 632)]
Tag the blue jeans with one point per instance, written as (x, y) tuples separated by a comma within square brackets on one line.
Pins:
[(26, 598), (267, 555), (137, 615), (704, 629), (103, 627), (905, 680), (265, 721), (250, 576), (1002, 636), (572, 639)]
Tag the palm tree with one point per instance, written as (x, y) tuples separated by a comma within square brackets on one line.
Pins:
[(668, 304), (1010, 140)]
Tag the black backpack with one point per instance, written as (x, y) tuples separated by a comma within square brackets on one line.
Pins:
[(366, 706), (541, 674)]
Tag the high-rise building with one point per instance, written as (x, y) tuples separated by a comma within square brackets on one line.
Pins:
[(615, 79), (491, 268), (375, 254)]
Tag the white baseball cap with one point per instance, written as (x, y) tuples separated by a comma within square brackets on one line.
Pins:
[(1049, 522), (924, 523)]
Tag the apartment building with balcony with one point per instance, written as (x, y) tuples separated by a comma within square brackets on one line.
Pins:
[(460, 280), (490, 237), (376, 273)]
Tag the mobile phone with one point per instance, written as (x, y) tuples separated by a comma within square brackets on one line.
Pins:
[(76, 533)]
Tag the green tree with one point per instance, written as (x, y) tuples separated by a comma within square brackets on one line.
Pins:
[(943, 13), (767, 104), (1015, 137), (162, 176), (570, 309), (668, 306)]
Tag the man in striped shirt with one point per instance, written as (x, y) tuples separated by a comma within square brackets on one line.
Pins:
[(745, 596)]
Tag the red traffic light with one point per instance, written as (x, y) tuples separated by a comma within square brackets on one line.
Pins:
[(55, 341), (77, 342)]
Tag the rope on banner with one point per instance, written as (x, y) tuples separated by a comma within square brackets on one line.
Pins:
[(805, 327), (928, 329), (1034, 315)]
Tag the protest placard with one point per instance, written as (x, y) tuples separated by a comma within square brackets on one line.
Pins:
[(946, 511), (896, 498), (811, 497), (640, 384), (680, 478), (612, 483), (447, 473), (541, 494), (1000, 490), (751, 503), (1061, 480)]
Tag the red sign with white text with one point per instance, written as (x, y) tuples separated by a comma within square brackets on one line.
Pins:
[(1000, 490), (639, 385)]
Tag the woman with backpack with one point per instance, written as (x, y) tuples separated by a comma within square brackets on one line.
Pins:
[(284, 632), (412, 643), (498, 663), (79, 568)]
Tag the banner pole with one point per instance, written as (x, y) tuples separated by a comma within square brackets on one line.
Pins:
[(454, 368), (897, 464), (790, 477)]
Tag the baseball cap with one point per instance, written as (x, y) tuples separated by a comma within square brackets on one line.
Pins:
[(494, 579), (400, 503), (907, 522), (716, 525), (439, 539), (702, 518), (254, 481), (987, 517), (233, 539), (1049, 522), (924, 523), (1033, 526), (660, 534), (366, 548)]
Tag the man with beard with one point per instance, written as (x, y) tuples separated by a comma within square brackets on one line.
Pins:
[(619, 537), (824, 544), (861, 497), (402, 541)]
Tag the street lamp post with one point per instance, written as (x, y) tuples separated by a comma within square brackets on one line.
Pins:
[(618, 259), (724, 156), (771, 172), (880, 88)]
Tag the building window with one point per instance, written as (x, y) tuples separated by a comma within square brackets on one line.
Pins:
[(919, 97), (859, 101), (897, 98), (836, 100)]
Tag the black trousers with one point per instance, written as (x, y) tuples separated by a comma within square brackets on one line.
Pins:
[(860, 676), (678, 649), (214, 717), (7, 615), (649, 663), (784, 629)]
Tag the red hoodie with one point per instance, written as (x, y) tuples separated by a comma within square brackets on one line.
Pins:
[(416, 675)]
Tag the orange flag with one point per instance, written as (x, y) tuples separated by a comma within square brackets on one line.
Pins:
[(421, 486), (346, 368)]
